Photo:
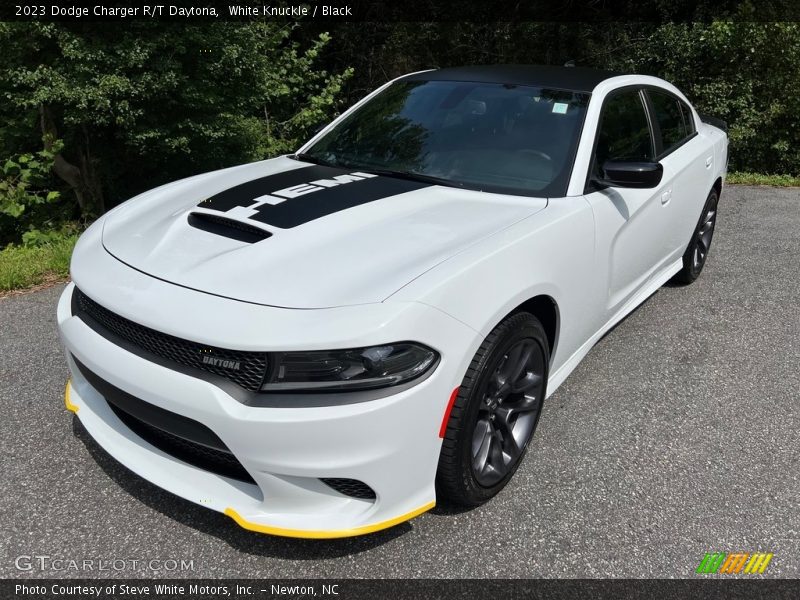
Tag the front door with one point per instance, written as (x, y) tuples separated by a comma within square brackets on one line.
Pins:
[(631, 231)]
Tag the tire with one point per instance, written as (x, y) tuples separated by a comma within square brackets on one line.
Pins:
[(696, 254), (491, 410)]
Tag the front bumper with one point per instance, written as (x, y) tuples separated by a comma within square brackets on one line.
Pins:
[(392, 443)]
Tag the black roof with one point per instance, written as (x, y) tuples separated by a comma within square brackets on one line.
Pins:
[(578, 79)]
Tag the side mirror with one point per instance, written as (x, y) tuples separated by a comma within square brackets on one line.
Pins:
[(632, 174)]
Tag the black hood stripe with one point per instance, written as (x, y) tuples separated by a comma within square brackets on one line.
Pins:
[(316, 201)]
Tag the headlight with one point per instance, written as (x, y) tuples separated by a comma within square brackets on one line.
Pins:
[(353, 369)]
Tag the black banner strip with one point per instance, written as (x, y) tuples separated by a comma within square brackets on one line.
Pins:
[(339, 11), (319, 202)]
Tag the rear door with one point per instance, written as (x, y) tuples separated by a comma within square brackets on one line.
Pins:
[(633, 239), (688, 162)]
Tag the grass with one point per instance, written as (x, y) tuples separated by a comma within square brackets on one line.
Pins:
[(745, 178), (25, 267)]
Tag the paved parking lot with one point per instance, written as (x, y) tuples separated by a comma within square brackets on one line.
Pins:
[(677, 435)]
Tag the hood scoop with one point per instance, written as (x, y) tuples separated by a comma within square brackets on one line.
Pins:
[(229, 228)]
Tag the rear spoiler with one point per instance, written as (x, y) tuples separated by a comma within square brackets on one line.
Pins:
[(718, 123)]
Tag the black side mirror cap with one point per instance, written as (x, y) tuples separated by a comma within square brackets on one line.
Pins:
[(632, 174)]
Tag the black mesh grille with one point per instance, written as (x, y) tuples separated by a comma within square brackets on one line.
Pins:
[(203, 457), (246, 369), (350, 487)]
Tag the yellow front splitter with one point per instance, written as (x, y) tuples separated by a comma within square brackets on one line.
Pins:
[(73, 408), (325, 534)]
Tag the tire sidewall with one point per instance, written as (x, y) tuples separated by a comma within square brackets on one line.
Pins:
[(695, 270), (516, 328)]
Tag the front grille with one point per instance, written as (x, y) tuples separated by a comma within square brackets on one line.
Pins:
[(184, 438), (350, 487), (202, 457), (246, 369)]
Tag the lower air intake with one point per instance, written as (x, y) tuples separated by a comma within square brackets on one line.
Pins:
[(350, 487), (181, 437), (209, 459)]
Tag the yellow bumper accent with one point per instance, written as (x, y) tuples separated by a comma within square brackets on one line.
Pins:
[(296, 533), (323, 534), (70, 406)]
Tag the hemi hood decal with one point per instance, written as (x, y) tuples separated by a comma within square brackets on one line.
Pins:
[(328, 243), (298, 196)]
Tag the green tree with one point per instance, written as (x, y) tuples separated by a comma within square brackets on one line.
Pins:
[(141, 103), (744, 72)]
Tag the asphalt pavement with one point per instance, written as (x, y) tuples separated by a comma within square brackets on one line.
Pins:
[(676, 436)]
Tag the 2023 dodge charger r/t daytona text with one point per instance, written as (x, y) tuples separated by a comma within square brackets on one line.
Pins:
[(320, 344)]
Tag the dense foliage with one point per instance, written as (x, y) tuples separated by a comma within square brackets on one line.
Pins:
[(136, 105), (746, 73), (92, 115)]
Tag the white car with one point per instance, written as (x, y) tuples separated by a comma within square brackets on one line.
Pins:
[(323, 344)]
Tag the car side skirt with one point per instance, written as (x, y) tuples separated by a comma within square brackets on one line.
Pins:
[(559, 375)]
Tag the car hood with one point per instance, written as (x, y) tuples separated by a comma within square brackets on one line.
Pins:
[(335, 237)]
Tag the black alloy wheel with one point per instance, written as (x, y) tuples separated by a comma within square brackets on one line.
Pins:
[(496, 412), (508, 413), (696, 254)]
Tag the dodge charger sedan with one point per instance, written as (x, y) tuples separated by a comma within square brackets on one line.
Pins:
[(325, 343)]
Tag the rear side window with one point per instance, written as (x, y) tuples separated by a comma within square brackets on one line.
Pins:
[(671, 118), (624, 132), (688, 119)]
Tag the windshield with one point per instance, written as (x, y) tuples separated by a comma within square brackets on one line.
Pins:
[(493, 137)]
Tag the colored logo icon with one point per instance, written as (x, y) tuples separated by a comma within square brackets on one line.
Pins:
[(734, 563)]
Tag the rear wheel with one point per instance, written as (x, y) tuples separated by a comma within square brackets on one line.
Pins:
[(697, 251), (495, 413)]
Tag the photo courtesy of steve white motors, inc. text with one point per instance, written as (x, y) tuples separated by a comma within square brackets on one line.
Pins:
[(161, 589), (291, 11)]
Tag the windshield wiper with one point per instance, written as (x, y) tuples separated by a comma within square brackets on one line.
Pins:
[(412, 176), (312, 158), (400, 174)]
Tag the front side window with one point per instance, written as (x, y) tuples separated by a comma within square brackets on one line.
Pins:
[(624, 133), (488, 136), (669, 116)]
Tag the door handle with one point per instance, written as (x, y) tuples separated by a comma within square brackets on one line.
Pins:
[(709, 162), (666, 196)]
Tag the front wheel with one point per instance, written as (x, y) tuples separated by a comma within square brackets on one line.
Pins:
[(694, 258), (495, 412)]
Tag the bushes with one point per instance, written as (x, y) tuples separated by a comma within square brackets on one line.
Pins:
[(142, 103), (25, 203)]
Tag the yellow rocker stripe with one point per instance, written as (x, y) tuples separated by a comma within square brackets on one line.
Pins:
[(325, 534), (70, 406)]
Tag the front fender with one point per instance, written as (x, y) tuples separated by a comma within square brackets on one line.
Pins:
[(550, 253)]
